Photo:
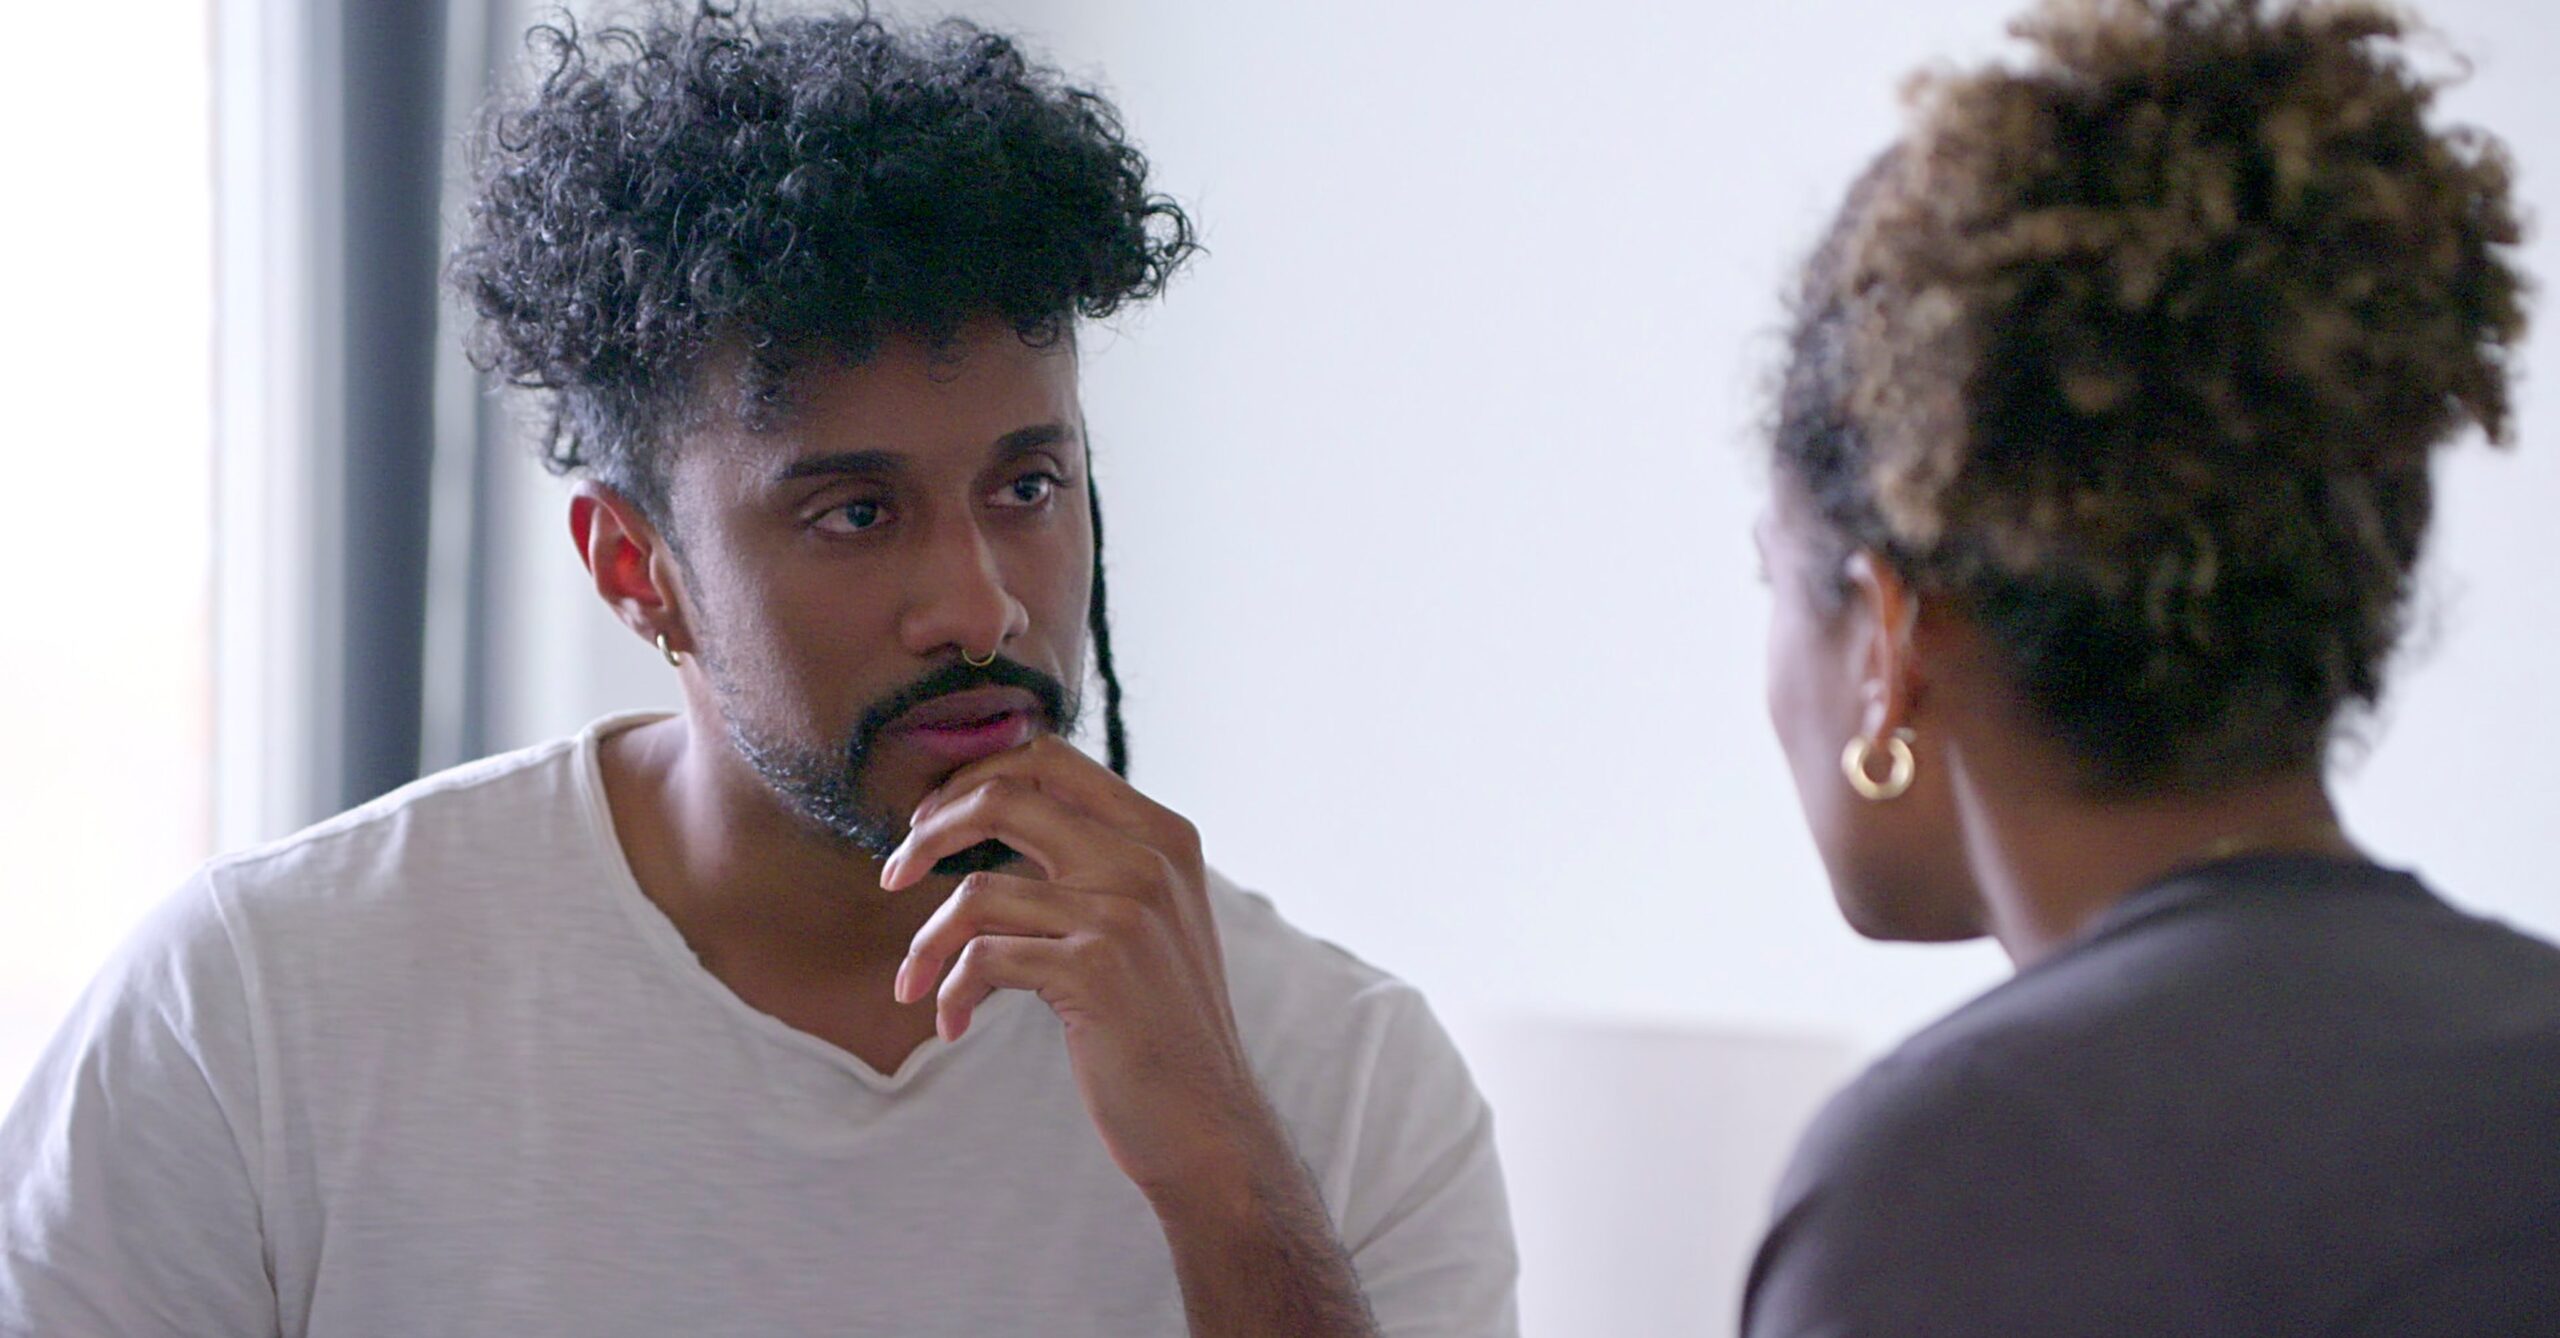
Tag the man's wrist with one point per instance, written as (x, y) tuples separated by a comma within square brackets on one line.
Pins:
[(1229, 1172), (1256, 1252)]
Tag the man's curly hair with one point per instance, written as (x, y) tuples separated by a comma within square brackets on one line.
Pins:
[(706, 187), (2139, 354), (701, 181)]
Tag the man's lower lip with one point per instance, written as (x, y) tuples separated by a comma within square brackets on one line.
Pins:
[(970, 740)]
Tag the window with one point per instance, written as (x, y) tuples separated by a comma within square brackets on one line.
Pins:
[(106, 520)]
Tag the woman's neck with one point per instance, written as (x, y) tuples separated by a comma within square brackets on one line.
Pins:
[(2050, 860)]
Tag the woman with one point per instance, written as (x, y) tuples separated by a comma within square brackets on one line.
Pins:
[(2101, 467)]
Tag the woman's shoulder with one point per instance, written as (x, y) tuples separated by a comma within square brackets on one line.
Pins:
[(2352, 1056)]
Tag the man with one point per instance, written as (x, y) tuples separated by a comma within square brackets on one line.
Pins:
[(850, 999)]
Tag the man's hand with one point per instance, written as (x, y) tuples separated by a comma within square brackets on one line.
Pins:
[(1110, 926), (1113, 933)]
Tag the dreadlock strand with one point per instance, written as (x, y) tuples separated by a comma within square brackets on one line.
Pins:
[(1115, 735)]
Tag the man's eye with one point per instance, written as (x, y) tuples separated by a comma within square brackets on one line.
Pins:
[(1028, 490), (852, 517)]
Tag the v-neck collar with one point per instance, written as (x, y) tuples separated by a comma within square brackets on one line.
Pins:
[(667, 943)]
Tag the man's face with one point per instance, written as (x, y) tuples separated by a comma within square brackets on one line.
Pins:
[(892, 518)]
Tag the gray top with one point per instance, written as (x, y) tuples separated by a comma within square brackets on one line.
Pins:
[(2276, 1095)]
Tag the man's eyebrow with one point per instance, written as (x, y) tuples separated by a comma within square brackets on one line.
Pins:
[(1039, 436), (841, 463), (836, 464)]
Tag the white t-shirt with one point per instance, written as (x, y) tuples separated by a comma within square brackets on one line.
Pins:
[(437, 1066)]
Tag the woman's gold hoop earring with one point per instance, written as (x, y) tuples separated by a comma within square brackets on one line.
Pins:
[(1900, 765), (974, 662), (673, 659)]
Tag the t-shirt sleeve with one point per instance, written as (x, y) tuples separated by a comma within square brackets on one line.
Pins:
[(1940, 1200), (128, 1165), (1423, 1210)]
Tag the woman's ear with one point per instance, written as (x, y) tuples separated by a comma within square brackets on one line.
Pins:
[(1884, 613)]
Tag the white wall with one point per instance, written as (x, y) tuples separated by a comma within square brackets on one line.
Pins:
[(1430, 488)]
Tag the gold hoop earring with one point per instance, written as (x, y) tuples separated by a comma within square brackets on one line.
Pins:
[(974, 662), (674, 660), (1900, 765)]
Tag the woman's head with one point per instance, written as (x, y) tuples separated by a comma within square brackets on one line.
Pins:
[(2132, 359)]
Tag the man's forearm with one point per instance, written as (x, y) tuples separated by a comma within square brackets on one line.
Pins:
[(1257, 1256)]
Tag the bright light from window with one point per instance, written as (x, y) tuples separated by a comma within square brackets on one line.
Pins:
[(106, 367)]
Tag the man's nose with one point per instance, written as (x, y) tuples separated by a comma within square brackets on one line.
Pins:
[(961, 599)]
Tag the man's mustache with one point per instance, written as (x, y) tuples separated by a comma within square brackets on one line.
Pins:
[(960, 676)]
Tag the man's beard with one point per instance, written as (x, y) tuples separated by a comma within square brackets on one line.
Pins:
[(827, 786)]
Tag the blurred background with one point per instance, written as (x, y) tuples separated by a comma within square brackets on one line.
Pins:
[(1430, 490)]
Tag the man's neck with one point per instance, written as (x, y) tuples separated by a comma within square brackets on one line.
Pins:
[(792, 921)]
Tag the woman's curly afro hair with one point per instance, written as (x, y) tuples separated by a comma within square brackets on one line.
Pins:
[(706, 180), (2139, 354)]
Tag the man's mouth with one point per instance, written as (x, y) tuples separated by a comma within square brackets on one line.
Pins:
[(960, 727)]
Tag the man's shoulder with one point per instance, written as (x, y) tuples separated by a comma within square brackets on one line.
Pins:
[(1312, 1012), (1376, 1097), (481, 811), (1272, 963), (435, 863)]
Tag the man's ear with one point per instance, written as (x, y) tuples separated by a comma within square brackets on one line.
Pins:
[(634, 569), (1886, 663)]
